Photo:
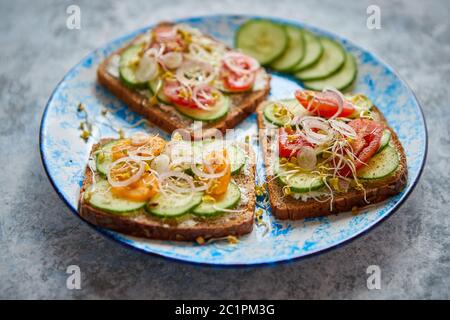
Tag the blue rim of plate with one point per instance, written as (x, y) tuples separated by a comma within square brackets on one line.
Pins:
[(116, 238)]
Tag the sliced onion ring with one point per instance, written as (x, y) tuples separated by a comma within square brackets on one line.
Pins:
[(172, 60), (343, 128), (139, 139), (180, 175), (307, 158), (200, 90), (135, 177), (199, 73), (339, 99), (200, 173), (229, 60), (147, 69)]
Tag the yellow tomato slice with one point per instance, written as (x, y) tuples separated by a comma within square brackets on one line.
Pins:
[(218, 162), (142, 190)]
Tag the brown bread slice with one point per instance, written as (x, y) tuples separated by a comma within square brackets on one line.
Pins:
[(183, 229), (169, 119), (286, 207)]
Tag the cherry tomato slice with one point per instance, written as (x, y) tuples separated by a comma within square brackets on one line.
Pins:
[(290, 143), (182, 96), (366, 143), (238, 83), (322, 104)]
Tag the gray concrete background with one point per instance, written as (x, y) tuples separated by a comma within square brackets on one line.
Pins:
[(39, 237)]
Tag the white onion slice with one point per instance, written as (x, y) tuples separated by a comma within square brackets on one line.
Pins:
[(139, 139), (135, 177), (135, 154), (306, 158), (193, 72), (311, 123), (161, 163), (229, 60), (200, 91), (147, 69), (200, 173), (179, 175), (162, 36), (343, 128), (339, 99), (172, 60)]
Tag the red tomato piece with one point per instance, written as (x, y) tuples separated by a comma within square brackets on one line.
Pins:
[(238, 83), (322, 104), (290, 143), (366, 143)]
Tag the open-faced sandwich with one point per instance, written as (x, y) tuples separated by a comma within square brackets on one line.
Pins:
[(177, 190), (327, 153), (175, 74)]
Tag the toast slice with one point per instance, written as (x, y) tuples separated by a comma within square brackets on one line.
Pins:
[(167, 117), (186, 228), (289, 208)]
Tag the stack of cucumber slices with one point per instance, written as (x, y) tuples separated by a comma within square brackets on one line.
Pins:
[(318, 62)]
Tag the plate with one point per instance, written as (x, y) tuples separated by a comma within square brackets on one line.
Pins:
[(64, 153)]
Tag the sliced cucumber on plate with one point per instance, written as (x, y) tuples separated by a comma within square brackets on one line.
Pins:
[(262, 39), (301, 182), (103, 158), (127, 63), (313, 52), (156, 88), (272, 111), (294, 52), (339, 80), (173, 205), (99, 196), (380, 165), (385, 138), (229, 200), (218, 111), (332, 59)]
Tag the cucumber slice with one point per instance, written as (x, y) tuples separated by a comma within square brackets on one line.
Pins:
[(385, 138), (154, 86), (271, 112), (313, 52), (294, 52), (381, 165), (103, 159), (300, 182), (171, 206), (361, 101), (100, 196), (237, 158), (332, 60), (218, 111), (262, 39), (340, 80), (229, 200), (128, 59)]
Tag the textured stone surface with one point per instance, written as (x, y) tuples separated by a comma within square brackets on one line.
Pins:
[(39, 237)]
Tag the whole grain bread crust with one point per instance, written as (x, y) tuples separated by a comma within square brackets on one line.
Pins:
[(166, 117), (144, 225), (289, 208)]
